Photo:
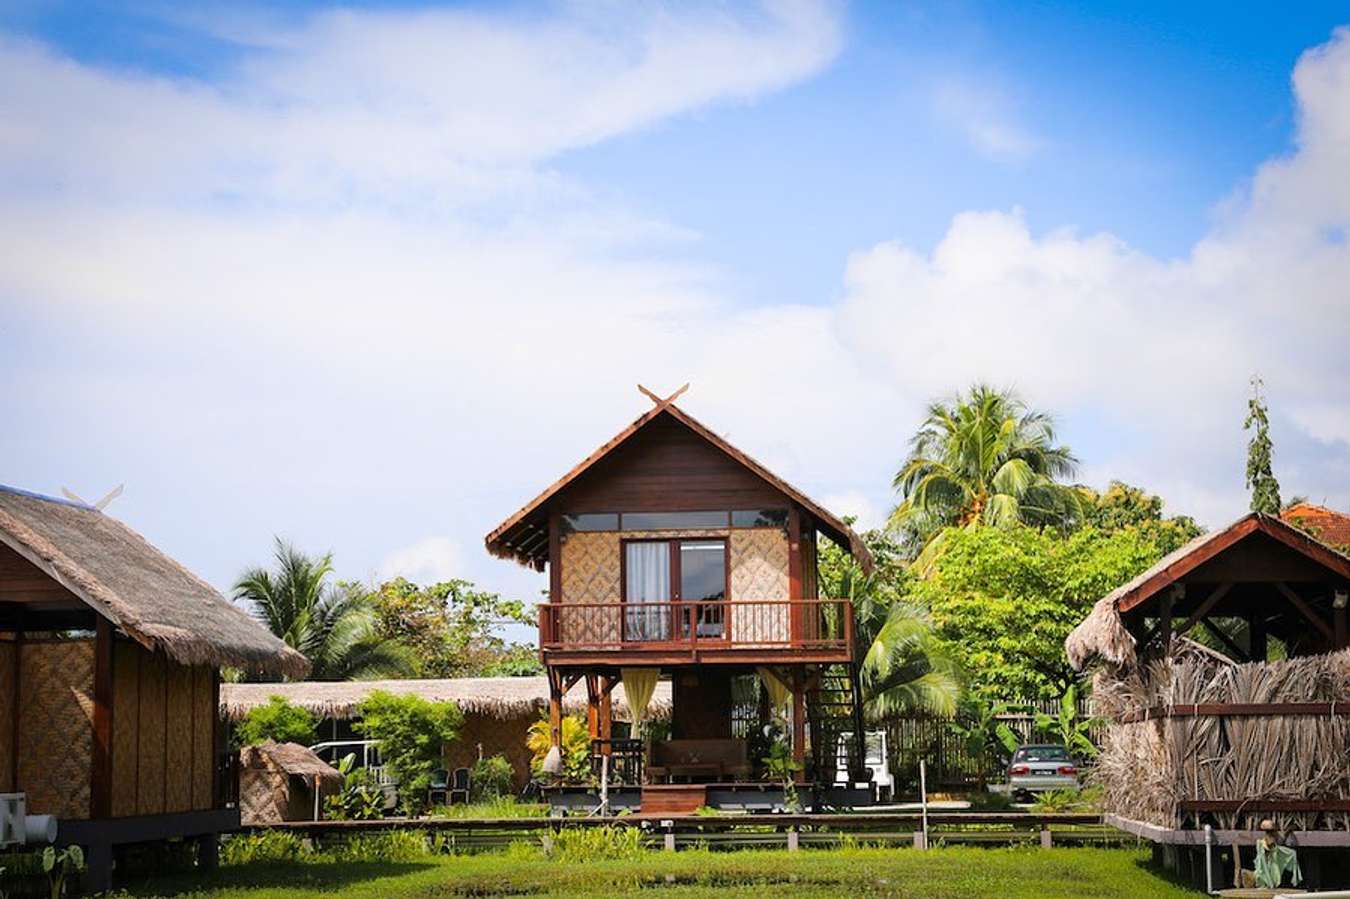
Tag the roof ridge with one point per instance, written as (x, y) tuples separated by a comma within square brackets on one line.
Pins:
[(19, 491)]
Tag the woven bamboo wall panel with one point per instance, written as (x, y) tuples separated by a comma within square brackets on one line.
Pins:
[(264, 790), (759, 564), (203, 737), (178, 748), (9, 658), (126, 716), (150, 736), (56, 740)]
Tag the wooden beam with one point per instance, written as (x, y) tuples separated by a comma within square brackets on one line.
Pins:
[(1237, 651), (554, 556), (593, 706), (666, 401), (607, 712), (1306, 610), (100, 769), (1204, 608), (555, 695)]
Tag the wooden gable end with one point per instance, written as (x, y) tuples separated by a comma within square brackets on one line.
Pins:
[(666, 466)]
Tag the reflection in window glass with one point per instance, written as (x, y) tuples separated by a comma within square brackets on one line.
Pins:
[(759, 518), (591, 521), (703, 571), (657, 521)]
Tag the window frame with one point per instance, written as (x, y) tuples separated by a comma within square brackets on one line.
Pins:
[(673, 544)]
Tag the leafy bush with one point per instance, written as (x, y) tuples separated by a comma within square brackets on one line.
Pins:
[(490, 778), (576, 748), (264, 846), (592, 844), (390, 846), (1053, 801), (360, 798), (986, 801), (279, 720), (412, 732), (501, 807)]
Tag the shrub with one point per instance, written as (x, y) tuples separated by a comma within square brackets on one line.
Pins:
[(991, 802), (390, 846), (265, 846), (412, 732), (360, 797), (592, 844), (576, 748), (279, 720), (490, 778), (1053, 801)]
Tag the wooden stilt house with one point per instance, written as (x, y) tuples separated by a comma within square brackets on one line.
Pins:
[(673, 555), (110, 656)]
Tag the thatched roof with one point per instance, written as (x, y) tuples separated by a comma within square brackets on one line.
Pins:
[(524, 536), (1103, 633), (496, 697), (149, 596), (292, 758)]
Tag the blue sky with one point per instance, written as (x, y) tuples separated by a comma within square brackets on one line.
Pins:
[(371, 276)]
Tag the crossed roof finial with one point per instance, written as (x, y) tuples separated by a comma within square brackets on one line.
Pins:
[(662, 403)]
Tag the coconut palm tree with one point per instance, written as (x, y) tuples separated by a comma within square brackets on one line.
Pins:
[(333, 626), (983, 457)]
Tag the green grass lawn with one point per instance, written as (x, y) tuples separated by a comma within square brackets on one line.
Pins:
[(950, 873)]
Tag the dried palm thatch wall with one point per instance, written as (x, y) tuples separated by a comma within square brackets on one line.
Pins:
[(277, 783), (1159, 755), (163, 729)]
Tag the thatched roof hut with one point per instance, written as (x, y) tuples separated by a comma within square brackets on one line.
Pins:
[(146, 594), (277, 782), (502, 698)]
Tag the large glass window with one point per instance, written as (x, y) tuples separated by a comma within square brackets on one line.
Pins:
[(591, 521), (759, 518), (647, 590), (661, 576), (672, 521)]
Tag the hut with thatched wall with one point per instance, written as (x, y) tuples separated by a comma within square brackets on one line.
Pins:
[(498, 711), (1256, 724), (109, 675), (283, 782)]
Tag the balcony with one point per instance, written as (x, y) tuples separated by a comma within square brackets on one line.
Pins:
[(752, 632)]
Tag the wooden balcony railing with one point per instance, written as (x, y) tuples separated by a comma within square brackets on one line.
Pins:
[(807, 624)]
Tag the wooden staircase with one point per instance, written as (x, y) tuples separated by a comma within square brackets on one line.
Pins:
[(672, 799)]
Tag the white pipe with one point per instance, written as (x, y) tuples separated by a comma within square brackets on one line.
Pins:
[(923, 799), (1209, 865)]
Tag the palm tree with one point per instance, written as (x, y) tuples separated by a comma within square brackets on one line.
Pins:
[(985, 458), (332, 626), (905, 668)]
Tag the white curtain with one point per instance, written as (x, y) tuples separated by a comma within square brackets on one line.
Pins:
[(638, 686), (780, 694), (647, 576)]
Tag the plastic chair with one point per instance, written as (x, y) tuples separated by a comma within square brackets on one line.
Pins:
[(459, 786), (440, 784)]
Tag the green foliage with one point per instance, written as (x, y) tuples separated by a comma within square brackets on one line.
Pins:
[(779, 765), (490, 779), (1068, 727), (986, 801), (264, 846), (360, 798), (501, 807), (412, 732), (977, 724), (582, 845), (1260, 476), (1058, 801), (985, 458), (388, 846), (333, 626), (576, 748), (58, 864), (1123, 506), (1004, 599), (279, 720), (450, 628)]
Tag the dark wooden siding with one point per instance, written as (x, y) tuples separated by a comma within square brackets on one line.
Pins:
[(667, 467), (22, 581)]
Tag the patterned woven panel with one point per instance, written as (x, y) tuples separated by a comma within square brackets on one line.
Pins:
[(263, 793), (8, 656), (590, 573), (203, 738), (759, 564), (56, 734), (178, 750), (150, 737), (126, 715)]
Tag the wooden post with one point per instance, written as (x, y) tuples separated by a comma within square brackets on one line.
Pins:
[(799, 724), (1165, 625), (100, 775), (555, 698), (554, 556), (16, 720), (607, 713), (593, 706)]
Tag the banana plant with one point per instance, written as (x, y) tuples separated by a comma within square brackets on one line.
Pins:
[(1070, 727)]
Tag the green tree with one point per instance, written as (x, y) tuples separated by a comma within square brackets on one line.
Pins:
[(1124, 506), (451, 628), (280, 721), (982, 458), (1261, 481), (333, 626), (412, 732), (904, 667), (1004, 599)]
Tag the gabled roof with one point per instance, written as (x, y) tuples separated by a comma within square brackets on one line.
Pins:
[(524, 536), (291, 758), (1327, 525), (149, 596), (1102, 632)]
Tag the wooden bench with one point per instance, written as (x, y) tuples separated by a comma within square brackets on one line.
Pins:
[(709, 759)]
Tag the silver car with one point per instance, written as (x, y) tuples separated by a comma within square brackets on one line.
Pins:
[(1038, 769)]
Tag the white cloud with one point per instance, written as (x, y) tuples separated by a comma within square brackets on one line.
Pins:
[(987, 117), (430, 560)]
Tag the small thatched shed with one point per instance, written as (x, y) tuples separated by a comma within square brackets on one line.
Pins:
[(283, 782), (498, 711), (109, 675), (1260, 730)]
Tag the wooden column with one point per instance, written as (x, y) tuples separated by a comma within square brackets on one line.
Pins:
[(100, 774), (555, 697), (796, 619), (593, 705), (799, 723), (607, 712)]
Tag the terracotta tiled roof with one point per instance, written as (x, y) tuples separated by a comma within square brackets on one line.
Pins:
[(1325, 524)]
